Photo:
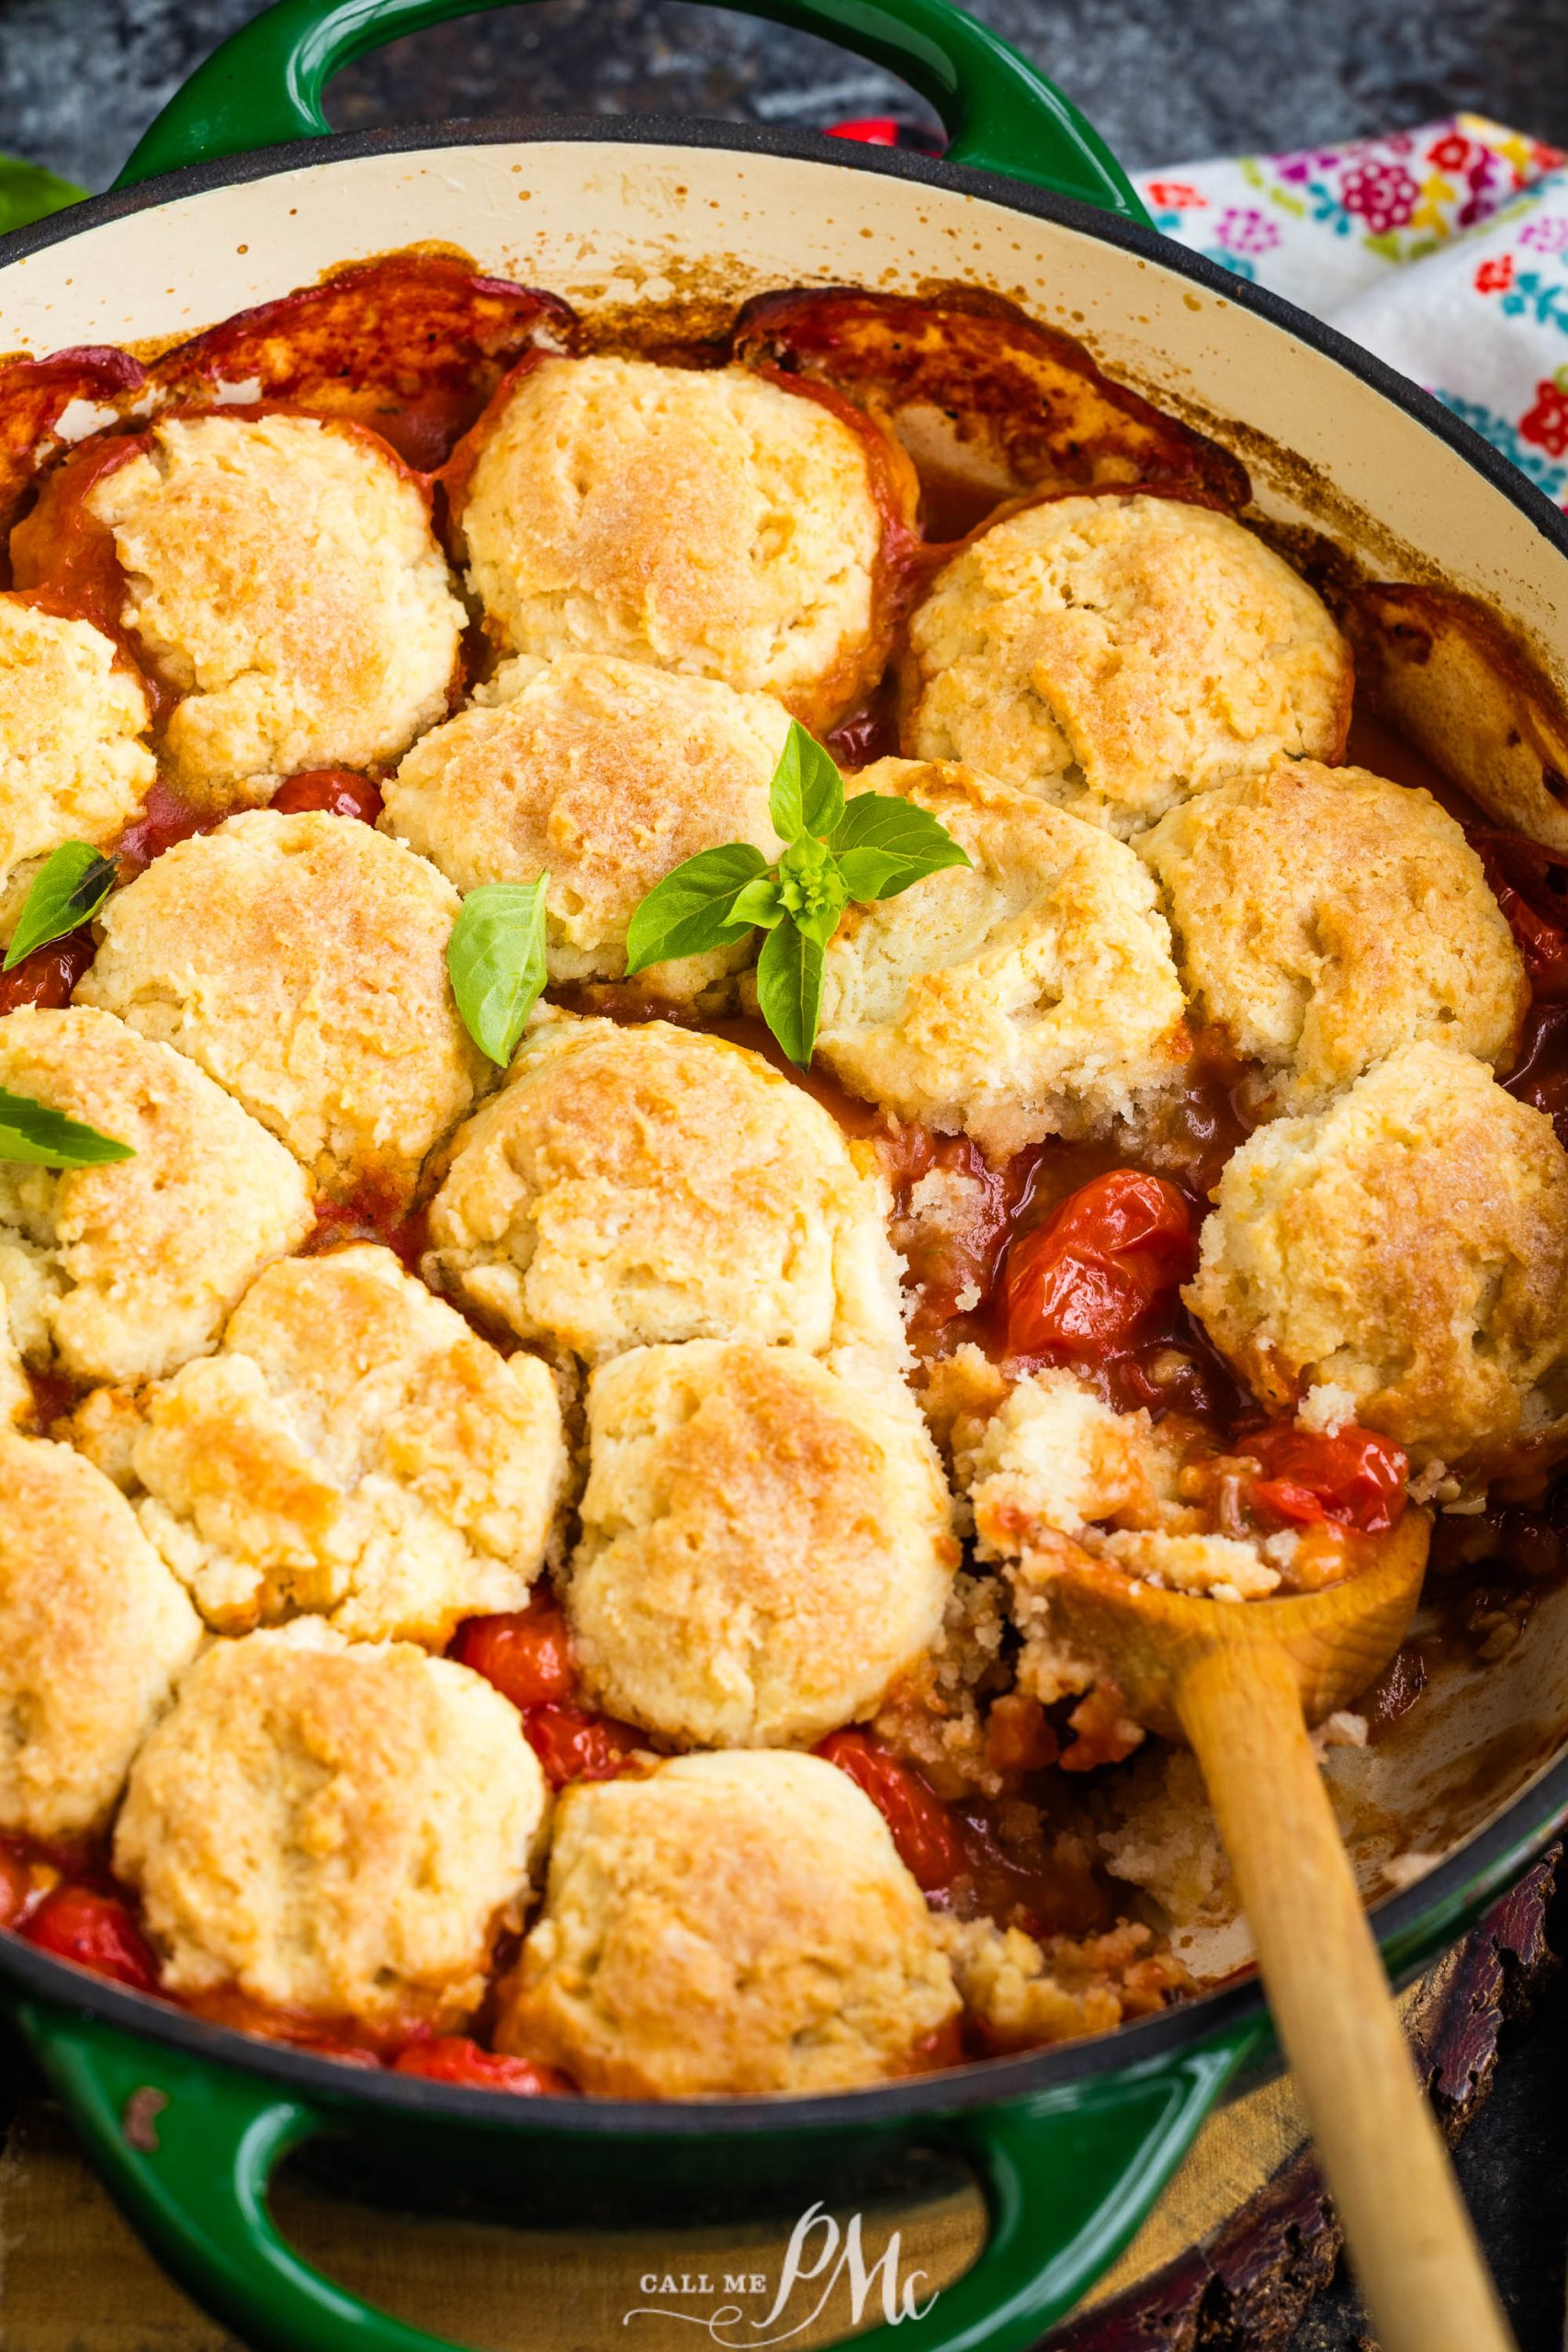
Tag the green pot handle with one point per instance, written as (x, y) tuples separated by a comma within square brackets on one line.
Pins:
[(265, 86), (187, 2148)]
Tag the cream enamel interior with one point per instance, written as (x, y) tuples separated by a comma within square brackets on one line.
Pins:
[(606, 223)]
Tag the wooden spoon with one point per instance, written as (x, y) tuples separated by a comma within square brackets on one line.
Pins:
[(1240, 1682)]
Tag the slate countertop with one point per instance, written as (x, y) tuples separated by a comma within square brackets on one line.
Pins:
[(1166, 81)]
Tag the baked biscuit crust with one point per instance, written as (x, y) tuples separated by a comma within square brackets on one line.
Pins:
[(282, 573), (333, 1827), (766, 582), (93, 1631), (300, 960), (72, 764), (123, 1272), (632, 1185), (1117, 654), (732, 1924), (606, 774), (1408, 1247), (765, 1549), (1325, 916), (1030, 995), (352, 1449)]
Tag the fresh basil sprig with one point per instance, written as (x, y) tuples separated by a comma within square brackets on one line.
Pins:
[(874, 847), (496, 958), (68, 889), (35, 1132)]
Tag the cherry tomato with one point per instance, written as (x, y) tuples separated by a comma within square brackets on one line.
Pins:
[(1084, 1283), (1355, 1476), (526, 1654), (573, 1746), (1531, 888), (452, 2058), (340, 792), (923, 1830), (96, 1931), (48, 975)]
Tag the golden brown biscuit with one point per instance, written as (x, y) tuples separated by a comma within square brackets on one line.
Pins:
[(352, 1449), (333, 1827), (93, 1631), (730, 1924), (302, 962), (631, 1185), (1118, 654), (705, 520), (604, 774), (123, 1272), (15, 1390), (765, 1549), (1324, 916), (1029, 995), (1407, 1246), (72, 764), (282, 572)]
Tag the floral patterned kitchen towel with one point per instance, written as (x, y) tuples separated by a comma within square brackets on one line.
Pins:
[(1444, 250)]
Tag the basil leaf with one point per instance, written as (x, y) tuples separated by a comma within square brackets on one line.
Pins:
[(789, 989), (30, 193), (884, 844), (689, 913), (760, 903), (35, 1132), (68, 889), (807, 792), (496, 958), (813, 891)]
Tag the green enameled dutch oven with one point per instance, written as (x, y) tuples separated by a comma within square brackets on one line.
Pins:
[(238, 192)]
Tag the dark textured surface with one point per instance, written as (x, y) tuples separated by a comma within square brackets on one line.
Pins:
[(1165, 80)]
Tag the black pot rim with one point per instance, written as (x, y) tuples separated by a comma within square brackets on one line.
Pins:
[(1526, 1825)]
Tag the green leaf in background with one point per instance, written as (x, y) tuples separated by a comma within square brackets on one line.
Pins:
[(47, 1138), (689, 913), (882, 845), (496, 958), (68, 889), (28, 193), (807, 794), (789, 989)]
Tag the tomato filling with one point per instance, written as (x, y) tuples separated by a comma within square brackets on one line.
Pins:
[(339, 792), (1082, 1286), (453, 2058), (1356, 1476), (528, 1657), (96, 1930), (922, 1829)]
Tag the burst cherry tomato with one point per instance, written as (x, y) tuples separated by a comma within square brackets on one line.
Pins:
[(573, 1746), (1084, 1283), (452, 2058), (527, 1653), (48, 975), (1355, 1476), (923, 1830), (1531, 888), (97, 1932), (340, 792)]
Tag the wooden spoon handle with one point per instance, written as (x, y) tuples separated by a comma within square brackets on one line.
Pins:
[(1413, 2252)]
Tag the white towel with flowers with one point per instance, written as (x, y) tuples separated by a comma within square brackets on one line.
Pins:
[(1444, 250)]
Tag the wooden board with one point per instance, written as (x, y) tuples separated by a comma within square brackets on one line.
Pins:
[(1240, 2244)]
